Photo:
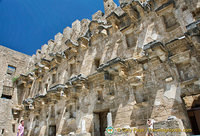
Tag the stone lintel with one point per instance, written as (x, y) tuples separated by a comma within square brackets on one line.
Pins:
[(110, 63), (165, 7), (152, 45)]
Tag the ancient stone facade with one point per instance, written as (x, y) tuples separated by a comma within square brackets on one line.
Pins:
[(136, 62), (12, 65)]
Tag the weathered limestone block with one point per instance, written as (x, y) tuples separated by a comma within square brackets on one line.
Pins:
[(76, 29), (84, 134), (51, 46), (44, 49), (84, 27), (138, 64), (67, 33), (169, 128), (124, 2), (98, 16), (183, 57), (109, 6), (58, 39)]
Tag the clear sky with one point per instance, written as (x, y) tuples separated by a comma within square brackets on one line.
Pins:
[(26, 25)]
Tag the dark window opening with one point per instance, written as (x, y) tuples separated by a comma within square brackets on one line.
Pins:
[(111, 92), (59, 75), (71, 115), (100, 123), (13, 128), (53, 78), (6, 96), (58, 112), (52, 113), (196, 13), (78, 107), (184, 8), (26, 107), (2, 131), (52, 130), (37, 117), (11, 70), (100, 96), (108, 76), (40, 86), (46, 87), (7, 92), (130, 40), (72, 69), (97, 63), (194, 116)]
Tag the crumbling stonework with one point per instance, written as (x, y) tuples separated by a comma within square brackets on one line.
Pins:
[(136, 62)]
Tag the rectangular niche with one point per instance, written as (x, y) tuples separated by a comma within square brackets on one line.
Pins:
[(170, 21), (130, 40), (186, 71), (52, 130)]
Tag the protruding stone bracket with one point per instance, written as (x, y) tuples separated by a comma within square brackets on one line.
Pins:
[(179, 50), (132, 11), (168, 6), (72, 48), (26, 80), (115, 66), (193, 31), (53, 70), (56, 60), (29, 103), (83, 42), (155, 49), (45, 62), (71, 44), (93, 27), (193, 28), (76, 80), (57, 89)]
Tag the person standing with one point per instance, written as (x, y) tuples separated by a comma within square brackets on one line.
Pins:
[(20, 130), (150, 123)]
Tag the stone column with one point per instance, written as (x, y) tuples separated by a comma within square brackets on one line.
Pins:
[(109, 119), (83, 129)]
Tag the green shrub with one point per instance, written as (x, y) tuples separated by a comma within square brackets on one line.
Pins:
[(14, 79)]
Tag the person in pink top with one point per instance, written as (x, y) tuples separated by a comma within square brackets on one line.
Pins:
[(20, 131)]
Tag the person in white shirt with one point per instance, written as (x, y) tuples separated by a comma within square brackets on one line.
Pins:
[(150, 123)]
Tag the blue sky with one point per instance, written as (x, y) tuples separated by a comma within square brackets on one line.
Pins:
[(25, 25)]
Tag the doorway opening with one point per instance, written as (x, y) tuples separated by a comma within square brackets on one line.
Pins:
[(52, 130), (100, 123), (194, 116)]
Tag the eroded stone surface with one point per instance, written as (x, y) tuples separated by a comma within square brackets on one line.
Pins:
[(137, 62)]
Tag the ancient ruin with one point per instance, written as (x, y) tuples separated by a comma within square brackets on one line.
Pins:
[(136, 61)]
